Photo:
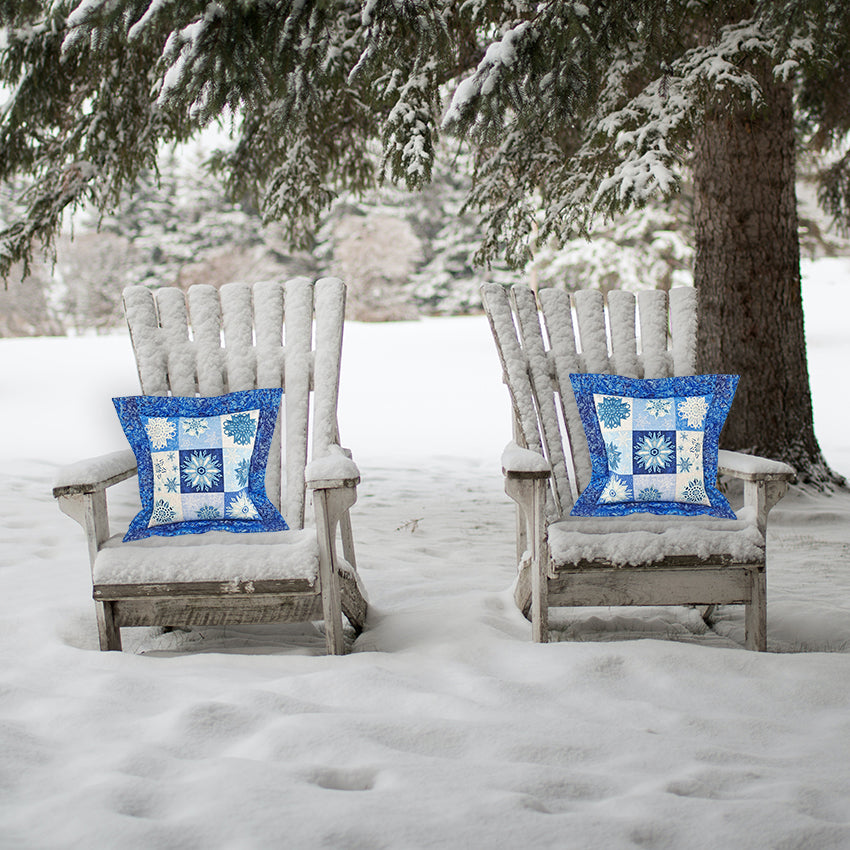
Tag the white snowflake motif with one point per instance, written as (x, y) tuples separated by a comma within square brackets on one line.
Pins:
[(241, 507), (694, 492), (649, 494), (208, 512), (616, 490), (195, 427), (162, 513), (201, 470), (693, 410), (159, 431), (658, 407), (654, 452), (242, 470), (612, 411), (240, 428)]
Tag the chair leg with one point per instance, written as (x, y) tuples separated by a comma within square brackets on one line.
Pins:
[(108, 632), (328, 507), (755, 617)]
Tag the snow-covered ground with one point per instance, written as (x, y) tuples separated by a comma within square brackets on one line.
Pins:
[(446, 727)]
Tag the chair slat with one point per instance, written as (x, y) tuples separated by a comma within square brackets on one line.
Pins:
[(557, 315), (621, 317), (237, 317), (330, 310), (590, 310), (514, 363), (173, 319), (205, 315), (683, 329), (268, 324), (531, 336), (298, 323), (146, 337), (657, 361)]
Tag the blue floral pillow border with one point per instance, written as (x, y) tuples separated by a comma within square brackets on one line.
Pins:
[(656, 452), (207, 449)]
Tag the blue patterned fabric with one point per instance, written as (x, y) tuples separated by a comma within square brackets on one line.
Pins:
[(202, 462), (653, 443)]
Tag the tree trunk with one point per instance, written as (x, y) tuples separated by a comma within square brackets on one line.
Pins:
[(747, 274)]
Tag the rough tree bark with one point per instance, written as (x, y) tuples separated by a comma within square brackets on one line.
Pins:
[(747, 274)]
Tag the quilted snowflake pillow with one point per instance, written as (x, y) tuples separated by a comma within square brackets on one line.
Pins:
[(653, 443), (202, 462)]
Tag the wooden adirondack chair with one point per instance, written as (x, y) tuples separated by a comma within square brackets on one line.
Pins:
[(242, 338), (579, 561)]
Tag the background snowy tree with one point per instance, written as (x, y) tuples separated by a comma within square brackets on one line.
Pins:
[(573, 111)]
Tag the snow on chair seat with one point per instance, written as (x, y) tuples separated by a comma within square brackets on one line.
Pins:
[(646, 539), (215, 556)]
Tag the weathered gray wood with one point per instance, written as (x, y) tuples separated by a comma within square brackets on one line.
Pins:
[(654, 324), (542, 389), (621, 315), (537, 377), (223, 589), (755, 616), (329, 505), (108, 629), (691, 585), (215, 610)]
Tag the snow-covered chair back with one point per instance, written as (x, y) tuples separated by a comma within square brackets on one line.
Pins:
[(211, 341), (648, 336)]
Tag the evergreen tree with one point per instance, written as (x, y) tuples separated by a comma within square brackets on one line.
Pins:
[(573, 111)]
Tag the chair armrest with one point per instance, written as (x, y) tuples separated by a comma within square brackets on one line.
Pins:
[(94, 474), (335, 469), (752, 468), (519, 463)]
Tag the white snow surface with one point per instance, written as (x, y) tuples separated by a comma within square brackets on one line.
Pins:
[(445, 726), (213, 556)]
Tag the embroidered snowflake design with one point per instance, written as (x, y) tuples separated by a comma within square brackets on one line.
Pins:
[(694, 492), (614, 455), (616, 490), (654, 452), (684, 464), (162, 512), (693, 409), (659, 407), (612, 411), (241, 507), (201, 470), (240, 428), (195, 427), (649, 494), (242, 470), (159, 431), (171, 484), (208, 512)]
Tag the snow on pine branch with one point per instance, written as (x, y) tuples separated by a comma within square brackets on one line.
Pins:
[(491, 70)]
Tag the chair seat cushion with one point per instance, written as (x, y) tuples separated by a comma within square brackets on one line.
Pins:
[(214, 556), (642, 539)]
